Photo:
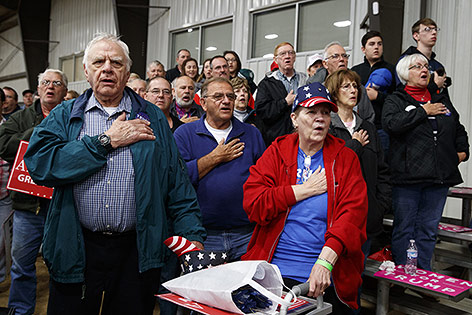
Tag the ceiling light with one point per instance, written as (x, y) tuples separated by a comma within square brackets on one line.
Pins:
[(190, 30), (211, 48), (271, 36), (342, 23), (268, 56)]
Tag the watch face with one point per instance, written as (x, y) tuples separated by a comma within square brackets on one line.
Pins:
[(104, 139)]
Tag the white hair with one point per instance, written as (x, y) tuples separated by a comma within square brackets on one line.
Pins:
[(59, 72), (335, 43), (156, 63), (405, 63), (110, 38)]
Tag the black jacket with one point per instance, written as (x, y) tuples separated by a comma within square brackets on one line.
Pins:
[(416, 155), (272, 109), (364, 70), (19, 127), (173, 73), (374, 169)]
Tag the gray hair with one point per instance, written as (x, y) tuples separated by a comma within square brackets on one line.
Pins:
[(174, 82), (59, 72), (110, 38), (404, 63), (335, 43), (156, 63)]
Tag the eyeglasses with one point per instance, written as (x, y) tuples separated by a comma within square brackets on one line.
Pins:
[(55, 83), (428, 29), (284, 53), (165, 92), (218, 97), (419, 67), (338, 56), (347, 86)]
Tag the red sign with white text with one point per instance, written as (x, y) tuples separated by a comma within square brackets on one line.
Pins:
[(21, 181)]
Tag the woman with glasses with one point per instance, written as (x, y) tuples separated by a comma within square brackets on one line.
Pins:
[(361, 136), (427, 143), (235, 69)]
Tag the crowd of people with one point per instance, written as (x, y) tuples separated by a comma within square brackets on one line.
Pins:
[(298, 170)]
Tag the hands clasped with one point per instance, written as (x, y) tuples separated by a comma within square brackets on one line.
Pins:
[(125, 132)]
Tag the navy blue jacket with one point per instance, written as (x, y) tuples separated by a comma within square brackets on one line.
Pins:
[(220, 192)]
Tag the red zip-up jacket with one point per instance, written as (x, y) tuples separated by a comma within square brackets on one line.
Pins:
[(268, 198)]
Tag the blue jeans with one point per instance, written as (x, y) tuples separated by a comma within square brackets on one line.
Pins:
[(5, 210), (234, 242), (27, 236), (417, 212)]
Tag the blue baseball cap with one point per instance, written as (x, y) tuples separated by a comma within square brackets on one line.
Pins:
[(313, 94)]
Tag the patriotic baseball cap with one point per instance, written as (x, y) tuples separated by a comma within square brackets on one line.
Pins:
[(313, 94)]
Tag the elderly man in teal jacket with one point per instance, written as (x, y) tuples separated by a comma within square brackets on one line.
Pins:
[(119, 182)]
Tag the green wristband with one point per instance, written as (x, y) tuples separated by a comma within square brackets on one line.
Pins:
[(324, 263)]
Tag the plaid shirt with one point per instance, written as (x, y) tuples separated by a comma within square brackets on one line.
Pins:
[(4, 174), (106, 200)]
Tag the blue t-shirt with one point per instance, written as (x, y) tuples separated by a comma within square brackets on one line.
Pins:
[(303, 236)]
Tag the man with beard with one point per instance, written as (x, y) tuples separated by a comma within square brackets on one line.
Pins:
[(184, 106), (30, 211)]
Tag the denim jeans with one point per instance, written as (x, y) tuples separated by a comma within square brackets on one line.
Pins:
[(5, 210), (27, 236), (417, 212), (233, 241)]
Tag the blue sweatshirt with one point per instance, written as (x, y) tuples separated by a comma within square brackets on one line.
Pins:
[(220, 192)]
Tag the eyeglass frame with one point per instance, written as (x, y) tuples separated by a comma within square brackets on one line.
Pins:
[(55, 83), (219, 97), (428, 29), (336, 56), (165, 92), (419, 67), (291, 53)]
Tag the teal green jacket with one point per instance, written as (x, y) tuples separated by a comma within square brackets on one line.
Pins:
[(55, 158)]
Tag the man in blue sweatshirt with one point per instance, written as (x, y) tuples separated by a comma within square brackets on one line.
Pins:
[(219, 150)]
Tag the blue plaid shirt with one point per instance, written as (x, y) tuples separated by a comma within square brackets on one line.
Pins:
[(106, 200), (292, 84)]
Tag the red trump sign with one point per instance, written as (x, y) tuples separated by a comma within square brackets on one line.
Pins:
[(21, 181)]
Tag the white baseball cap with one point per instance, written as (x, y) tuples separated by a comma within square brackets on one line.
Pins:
[(314, 58)]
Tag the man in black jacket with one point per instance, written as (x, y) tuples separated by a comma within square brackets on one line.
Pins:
[(182, 55), (372, 47), (276, 93)]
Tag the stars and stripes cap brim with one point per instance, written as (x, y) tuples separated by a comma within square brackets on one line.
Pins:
[(313, 94)]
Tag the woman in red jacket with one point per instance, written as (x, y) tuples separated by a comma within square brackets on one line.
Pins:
[(308, 199)]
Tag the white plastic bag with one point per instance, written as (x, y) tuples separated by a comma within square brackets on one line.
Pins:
[(214, 286)]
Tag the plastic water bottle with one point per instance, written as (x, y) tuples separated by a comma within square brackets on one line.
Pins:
[(411, 258)]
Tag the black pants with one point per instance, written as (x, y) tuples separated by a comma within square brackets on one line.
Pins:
[(329, 296), (113, 283)]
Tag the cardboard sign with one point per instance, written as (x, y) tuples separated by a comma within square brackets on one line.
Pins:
[(21, 181), (300, 306), (453, 228), (427, 280)]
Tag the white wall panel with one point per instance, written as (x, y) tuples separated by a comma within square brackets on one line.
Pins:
[(11, 52), (74, 23)]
